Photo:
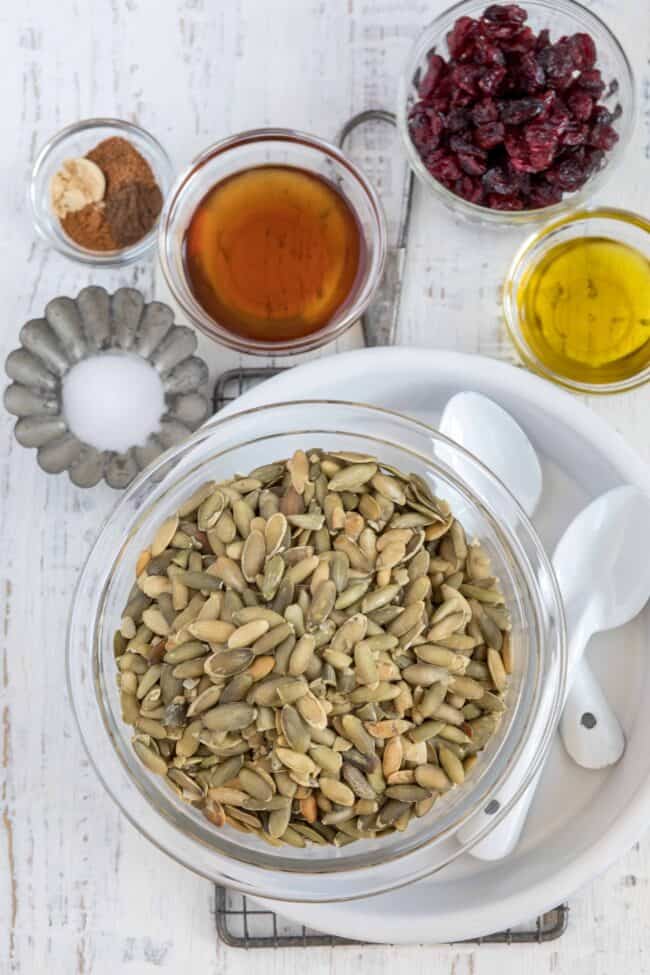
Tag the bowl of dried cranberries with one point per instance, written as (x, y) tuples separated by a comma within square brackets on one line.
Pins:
[(510, 113)]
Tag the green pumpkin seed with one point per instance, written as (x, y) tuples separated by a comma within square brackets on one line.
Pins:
[(229, 717)]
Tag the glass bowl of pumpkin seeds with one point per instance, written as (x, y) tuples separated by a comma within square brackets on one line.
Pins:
[(303, 652)]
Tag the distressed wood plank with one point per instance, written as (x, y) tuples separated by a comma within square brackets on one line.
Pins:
[(80, 891)]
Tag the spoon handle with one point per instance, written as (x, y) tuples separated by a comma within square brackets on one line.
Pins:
[(503, 838), (590, 730)]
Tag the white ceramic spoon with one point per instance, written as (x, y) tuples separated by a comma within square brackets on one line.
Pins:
[(614, 533), (486, 430), (590, 730)]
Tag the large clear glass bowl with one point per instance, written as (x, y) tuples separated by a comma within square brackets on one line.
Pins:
[(272, 147), (561, 17), (238, 444)]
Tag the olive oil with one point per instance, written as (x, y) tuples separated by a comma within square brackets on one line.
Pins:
[(273, 253), (584, 310)]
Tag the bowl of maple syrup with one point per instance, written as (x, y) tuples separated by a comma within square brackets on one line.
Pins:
[(273, 242)]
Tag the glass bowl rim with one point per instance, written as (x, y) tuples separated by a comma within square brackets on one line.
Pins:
[(550, 596), (616, 215), (515, 217), (190, 306), (163, 170)]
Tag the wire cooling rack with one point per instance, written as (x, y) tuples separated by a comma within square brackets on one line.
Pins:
[(243, 924), (233, 383)]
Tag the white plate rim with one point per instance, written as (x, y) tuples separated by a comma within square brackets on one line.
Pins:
[(345, 919)]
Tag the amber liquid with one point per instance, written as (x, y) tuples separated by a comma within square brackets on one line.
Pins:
[(273, 253)]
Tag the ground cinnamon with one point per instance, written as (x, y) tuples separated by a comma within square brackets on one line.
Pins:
[(121, 164), (131, 203), (89, 228)]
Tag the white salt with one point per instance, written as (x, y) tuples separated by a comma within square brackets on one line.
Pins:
[(113, 401)]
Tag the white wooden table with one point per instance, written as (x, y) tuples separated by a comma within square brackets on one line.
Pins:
[(80, 891)]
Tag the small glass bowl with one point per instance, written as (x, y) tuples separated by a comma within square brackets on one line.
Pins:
[(561, 17), (267, 147), (238, 444), (620, 226), (74, 141)]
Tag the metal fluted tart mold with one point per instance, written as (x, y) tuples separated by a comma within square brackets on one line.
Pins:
[(78, 328)]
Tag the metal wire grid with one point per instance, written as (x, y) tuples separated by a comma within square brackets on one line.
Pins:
[(233, 383), (241, 924)]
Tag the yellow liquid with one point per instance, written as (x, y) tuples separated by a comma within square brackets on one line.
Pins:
[(584, 310)]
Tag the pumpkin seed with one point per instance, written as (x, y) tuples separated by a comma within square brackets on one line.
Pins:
[(229, 717), (320, 673), (451, 764)]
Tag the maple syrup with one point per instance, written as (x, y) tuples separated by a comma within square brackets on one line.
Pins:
[(273, 253)]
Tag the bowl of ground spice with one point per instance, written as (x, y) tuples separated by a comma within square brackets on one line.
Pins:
[(97, 190)]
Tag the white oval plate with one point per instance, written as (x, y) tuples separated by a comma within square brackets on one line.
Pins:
[(581, 820)]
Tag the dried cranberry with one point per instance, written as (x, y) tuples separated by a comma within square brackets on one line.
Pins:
[(541, 135), (594, 159), (457, 119), (461, 98), (520, 181), (557, 61), (484, 111), (569, 174), (584, 51), (544, 195), (527, 158), (459, 35), (466, 76), (508, 13), (543, 39), (529, 74), (500, 32), (484, 51), (603, 136), (425, 127), (516, 111), (489, 135), (559, 117), (492, 80), (549, 100), (444, 167), (505, 202), (575, 134), (463, 143), (471, 189), (433, 75), (520, 42), (580, 105), (471, 164), (592, 82), (419, 129), (602, 115), (496, 180)]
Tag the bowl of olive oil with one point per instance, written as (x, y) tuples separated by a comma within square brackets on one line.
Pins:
[(577, 301)]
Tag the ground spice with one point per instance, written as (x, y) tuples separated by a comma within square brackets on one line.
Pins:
[(89, 228), (121, 164), (132, 210), (131, 203)]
